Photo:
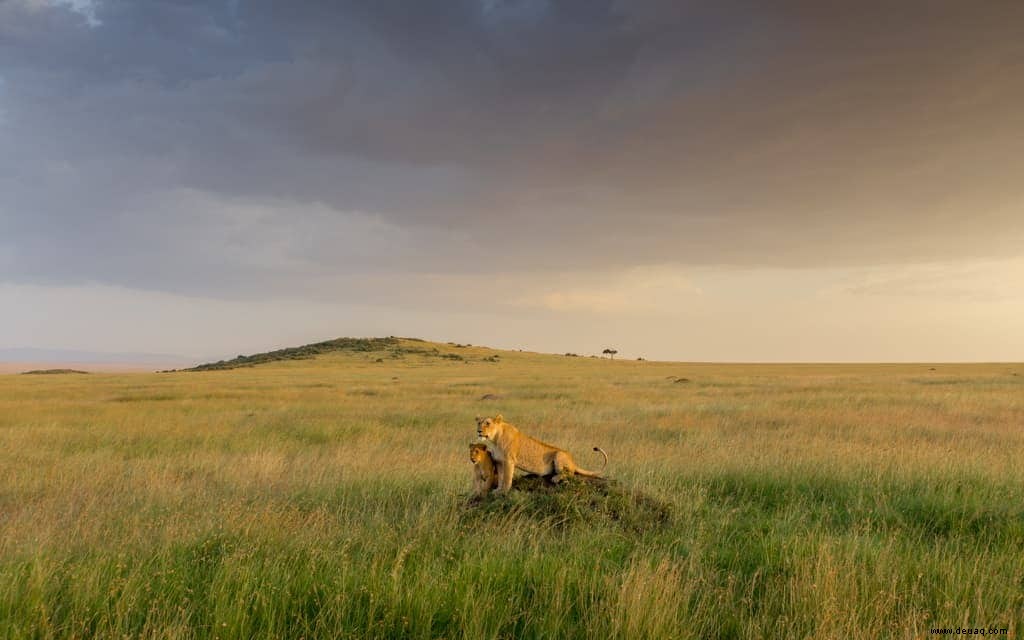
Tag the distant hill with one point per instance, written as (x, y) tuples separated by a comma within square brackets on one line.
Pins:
[(304, 352), (391, 347), (20, 360), (42, 372)]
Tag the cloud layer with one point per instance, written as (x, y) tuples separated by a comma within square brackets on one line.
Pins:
[(234, 147)]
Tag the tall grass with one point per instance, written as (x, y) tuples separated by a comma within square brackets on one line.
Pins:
[(328, 498)]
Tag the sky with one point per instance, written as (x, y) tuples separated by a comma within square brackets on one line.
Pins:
[(715, 180)]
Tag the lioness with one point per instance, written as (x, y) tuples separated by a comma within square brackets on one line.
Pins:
[(485, 476), (512, 448)]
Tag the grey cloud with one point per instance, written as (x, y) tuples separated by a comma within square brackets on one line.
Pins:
[(506, 135)]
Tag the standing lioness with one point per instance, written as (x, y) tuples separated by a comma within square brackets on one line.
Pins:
[(513, 448)]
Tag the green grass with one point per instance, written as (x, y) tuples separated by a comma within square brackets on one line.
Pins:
[(329, 497)]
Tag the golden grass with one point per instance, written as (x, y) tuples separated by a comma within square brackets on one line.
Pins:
[(325, 498)]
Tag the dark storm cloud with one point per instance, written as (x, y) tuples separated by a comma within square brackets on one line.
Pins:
[(503, 135)]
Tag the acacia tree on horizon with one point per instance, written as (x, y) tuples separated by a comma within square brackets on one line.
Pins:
[(610, 352)]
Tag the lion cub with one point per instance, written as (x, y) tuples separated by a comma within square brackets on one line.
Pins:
[(485, 473)]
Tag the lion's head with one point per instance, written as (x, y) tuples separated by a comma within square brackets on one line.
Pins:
[(477, 452), (488, 427)]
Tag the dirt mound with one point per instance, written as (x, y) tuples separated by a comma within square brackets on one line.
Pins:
[(573, 502)]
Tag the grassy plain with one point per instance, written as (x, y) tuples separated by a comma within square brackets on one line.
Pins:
[(327, 498)]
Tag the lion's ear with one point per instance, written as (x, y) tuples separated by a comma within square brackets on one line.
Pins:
[(479, 419), (498, 418)]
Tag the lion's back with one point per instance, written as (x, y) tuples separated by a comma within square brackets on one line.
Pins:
[(535, 455)]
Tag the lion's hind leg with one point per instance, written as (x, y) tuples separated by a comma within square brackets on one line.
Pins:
[(563, 466)]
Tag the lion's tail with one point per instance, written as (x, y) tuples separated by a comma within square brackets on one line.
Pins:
[(595, 474)]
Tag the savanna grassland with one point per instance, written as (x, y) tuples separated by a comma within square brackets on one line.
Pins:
[(328, 497)]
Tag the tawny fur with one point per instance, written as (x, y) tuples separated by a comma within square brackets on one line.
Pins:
[(513, 449), (485, 473)]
